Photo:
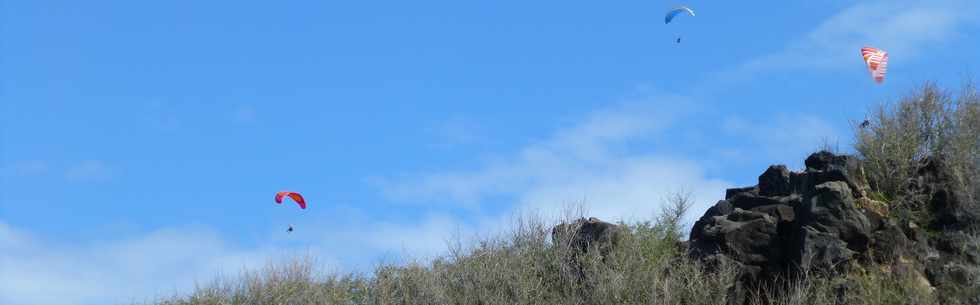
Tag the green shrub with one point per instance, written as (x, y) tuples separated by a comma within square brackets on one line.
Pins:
[(928, 121)]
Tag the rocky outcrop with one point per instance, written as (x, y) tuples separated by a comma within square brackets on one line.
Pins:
[(821, 220), (583, 238), (948, 245), (584, 235), (934, 187)]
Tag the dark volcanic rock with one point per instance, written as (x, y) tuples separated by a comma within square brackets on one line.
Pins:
[(584, 237), (783, 213), (775, 182), (821, 219), (729, 193), (586, 234), (822, 251), (746, 235), (935, 186), (824, 166), (722, 207), (888, 243), (748, 201), (830, 209)]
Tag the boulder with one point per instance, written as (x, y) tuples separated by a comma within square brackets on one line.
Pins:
[(825, 166), (585, 237), (587, 234), (748, 201), (781, 212), (830, 209), (937, 188), (729, 193), (775, 181), (822, 251), (744, 235), (888, 243), (722, 207)]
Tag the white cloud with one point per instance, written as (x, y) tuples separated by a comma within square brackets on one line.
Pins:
[(589, 161), (361, 238), (8, 238), (114, 271), (89, 171), (905, 28), (594, 162), (629, 189), (168, 261), (783, 138), (426, 238)]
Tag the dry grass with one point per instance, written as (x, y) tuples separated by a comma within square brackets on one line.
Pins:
[(526, 267), (870, 284)]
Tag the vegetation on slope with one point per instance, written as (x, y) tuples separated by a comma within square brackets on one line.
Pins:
[(648, 265), (927, 122)]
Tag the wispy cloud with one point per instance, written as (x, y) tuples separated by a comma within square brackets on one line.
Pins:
[(174, 260), (244, 114), (25, 168), (455, 131), (161, 115), (782, 138), (590, 160), (426, 238), (906, 29), (580, 145), (89, 171), (114, 271)]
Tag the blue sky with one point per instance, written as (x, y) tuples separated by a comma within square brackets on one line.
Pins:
[(141, 143)]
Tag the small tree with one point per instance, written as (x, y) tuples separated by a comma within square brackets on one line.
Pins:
[(927, 122)]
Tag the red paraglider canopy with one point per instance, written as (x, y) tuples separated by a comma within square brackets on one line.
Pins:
[(296, 197)]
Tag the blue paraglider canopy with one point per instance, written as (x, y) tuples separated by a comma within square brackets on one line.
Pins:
[(674, 12)]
